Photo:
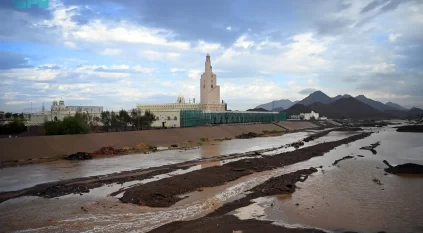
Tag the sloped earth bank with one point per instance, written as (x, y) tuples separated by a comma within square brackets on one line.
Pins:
[(84, 184)]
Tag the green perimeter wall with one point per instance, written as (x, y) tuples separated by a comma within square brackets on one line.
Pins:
[(191, 118)]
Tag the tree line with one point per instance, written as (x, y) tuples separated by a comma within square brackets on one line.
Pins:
[(83, 123)]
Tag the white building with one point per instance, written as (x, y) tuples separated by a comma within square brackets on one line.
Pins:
[(309, 116), (167, 115), (306, 116), (58, 111)]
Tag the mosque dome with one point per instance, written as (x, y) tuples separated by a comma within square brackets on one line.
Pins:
[(181, 99), (54, 102)]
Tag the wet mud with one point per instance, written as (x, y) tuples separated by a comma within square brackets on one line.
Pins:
[(371, 147), (218, 221), (228, 224), (411, 128), (407, 168), (344, 158), (166, 192)]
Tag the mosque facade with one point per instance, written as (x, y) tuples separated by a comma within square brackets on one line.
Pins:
[(168, 115)]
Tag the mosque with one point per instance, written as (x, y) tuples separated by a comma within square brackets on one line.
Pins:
[(210, 110), (58, 111)]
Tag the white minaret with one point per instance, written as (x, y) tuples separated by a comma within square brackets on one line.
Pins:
[(210, 91)]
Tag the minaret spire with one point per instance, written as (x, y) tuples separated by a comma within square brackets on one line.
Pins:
[(208, 67)]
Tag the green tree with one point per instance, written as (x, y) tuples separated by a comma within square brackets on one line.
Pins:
[(124, 118), (15, 115), (75, 125), (114, 121), (54, 128), (21, 116), (8, 115), (105, 120), (15, 126), (148, 119)]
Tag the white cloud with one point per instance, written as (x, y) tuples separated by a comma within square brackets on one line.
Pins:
[(154, 55), (242, 42), (229, 28), (382, 67), (109, 51), (70, 44), (394, 36), (175, 70), (194, 74), (35, 74), (207, 47)]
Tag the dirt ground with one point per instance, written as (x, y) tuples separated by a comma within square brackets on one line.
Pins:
[(46, 147)]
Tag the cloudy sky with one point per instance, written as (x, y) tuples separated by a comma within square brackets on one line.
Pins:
[(118, 53)]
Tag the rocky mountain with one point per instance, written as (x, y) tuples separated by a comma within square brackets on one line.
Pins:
[(342, 108), (257, 110), (397, 106), (314, 97), (283, 103), (321, 103), (407, 113), (375, 104), (279, 109), (340, 97)]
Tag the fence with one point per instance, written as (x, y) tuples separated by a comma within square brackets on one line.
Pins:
[(191, 118)]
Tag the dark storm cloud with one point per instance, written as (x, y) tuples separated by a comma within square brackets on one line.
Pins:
[(307, 91), (9, 60)]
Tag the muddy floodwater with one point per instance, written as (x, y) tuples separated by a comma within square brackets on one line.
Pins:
[(337, 198)]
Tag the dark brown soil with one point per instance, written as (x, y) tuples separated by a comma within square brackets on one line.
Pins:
[(217, 221), (228, 224), (344, 158), (410, 128), (164, 193)]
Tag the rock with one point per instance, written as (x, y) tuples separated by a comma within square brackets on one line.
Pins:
[(79, 156), (361, 156), (82, 208), (377, 181)]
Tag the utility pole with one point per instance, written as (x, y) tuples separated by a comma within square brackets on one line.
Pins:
[(31, 107)]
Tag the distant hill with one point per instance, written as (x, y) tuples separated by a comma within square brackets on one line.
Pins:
[(283, 103), (342, 108), (375, 104), (340, 97), (279, 109), (397, 106), (257, 110), (331, 107), (297, 109), (316, 97), (405, 114)]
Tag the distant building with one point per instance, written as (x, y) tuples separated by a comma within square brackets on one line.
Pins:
[(58, 111), (168, 115), (306, 116), (2, 115), (309, 116)]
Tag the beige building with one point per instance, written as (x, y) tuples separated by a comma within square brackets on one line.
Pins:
[(167, 115), (58, 111)]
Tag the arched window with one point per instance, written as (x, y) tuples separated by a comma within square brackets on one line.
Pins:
[(168, 118), (55, 118), (212, 86), (175, 118)]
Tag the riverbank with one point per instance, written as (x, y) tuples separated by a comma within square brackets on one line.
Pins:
[(30, 150), (275, 197)]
